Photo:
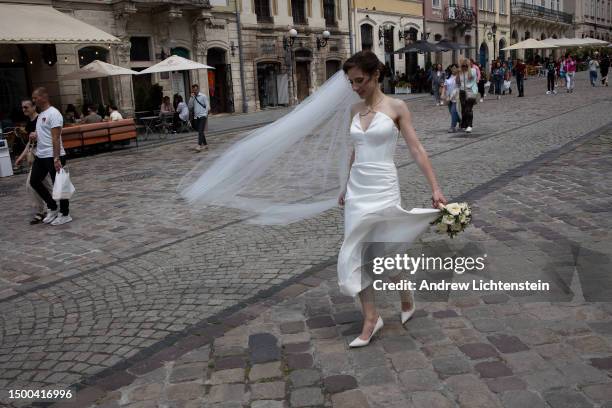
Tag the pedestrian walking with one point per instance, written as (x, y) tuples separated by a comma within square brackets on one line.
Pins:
[(520, 70), (199, 105), (451, 95), (593, 70), (467, 94), (29, 110), (551, 70), (498, 78), (507, 79), (437, 82), (50, 156), (570, 73), (604, 67), (482, 83)]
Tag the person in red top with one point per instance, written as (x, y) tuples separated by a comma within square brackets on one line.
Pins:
[(520, 70), (570, 73)]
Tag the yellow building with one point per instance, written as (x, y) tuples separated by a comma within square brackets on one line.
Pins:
[(384, 26)]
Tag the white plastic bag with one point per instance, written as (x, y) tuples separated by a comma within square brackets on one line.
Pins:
[(62, 187), (507, 85)]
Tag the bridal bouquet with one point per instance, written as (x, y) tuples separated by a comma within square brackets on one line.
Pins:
[(453, 219)]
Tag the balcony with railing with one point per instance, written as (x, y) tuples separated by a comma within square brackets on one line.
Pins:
[(540, 13), (460, 15)]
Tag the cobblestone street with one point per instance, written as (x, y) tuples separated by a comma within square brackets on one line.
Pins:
[(143, 302)]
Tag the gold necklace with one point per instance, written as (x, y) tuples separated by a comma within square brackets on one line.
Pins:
[(371, 107)]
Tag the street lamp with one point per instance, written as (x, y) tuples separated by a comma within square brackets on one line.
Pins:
[(425, 35), (492, 35), (322, 42), (288, 41)]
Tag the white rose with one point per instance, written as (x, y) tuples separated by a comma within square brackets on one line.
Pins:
[(442, 228), (453, 208), (448, 219), (462, 218), (457, 227)]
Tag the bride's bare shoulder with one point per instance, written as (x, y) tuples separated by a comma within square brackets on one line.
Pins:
[(357, 107)]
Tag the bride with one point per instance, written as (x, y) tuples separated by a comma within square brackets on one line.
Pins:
[(294, 168), (371, 197)]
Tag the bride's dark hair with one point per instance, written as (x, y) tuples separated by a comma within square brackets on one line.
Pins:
[(366, 61)]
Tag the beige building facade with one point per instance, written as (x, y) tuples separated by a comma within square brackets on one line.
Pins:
[(546, 19), (494, 31), (593, 18)]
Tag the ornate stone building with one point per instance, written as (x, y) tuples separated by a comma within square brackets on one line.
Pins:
[(453, 20), (493, 30), (593, 18), (385, 26), (547, 19), (280, 69)]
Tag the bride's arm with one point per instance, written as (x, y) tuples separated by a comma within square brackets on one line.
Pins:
[(418, 152)]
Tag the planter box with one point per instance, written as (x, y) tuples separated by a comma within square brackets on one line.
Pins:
[(402, 90)]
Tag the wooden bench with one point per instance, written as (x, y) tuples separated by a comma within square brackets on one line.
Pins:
[(80, 136)]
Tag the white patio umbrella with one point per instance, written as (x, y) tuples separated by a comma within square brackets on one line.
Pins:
[(593, 42), (98, 69), (175, 63), (529, 43)]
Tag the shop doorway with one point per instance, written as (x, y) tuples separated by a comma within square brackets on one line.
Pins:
[(272, 86), (220, 81), (331, 67)]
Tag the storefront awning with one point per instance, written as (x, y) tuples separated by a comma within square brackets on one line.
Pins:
[(26, 24)]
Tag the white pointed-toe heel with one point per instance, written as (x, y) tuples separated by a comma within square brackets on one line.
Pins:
[(361, 343), (405, 316)]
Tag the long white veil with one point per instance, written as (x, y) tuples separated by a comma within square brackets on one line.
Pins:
[(288, 170)]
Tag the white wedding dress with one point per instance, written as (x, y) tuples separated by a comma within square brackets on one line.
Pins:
[(373, 211)]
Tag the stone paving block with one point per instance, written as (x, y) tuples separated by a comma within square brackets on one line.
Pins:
[(495, 298), (306, 397), (348, 317), (465, 383), (430, 399), (230, 362), (581, 373), (502, 384), (604, 363), (557, 352), (265, 371), (589, 344), (292, 327), (544, 380), (338, 383), (268, 390), (387, 396), (478, 400), (320, 321), (507, 344), (298, 361), (376, 376), (324, 333), (349, 399), (297, 338), (538, 336), (526, 361), (565, 398), (477, 351), (447, 366), (443, 314), (493, 369), (187, 372), (304, 377), (398, 344), (227, 393), (441, 350), (333, 363), (184, 391), (296, 347), (488, 325), (409, 360), (267, 404), (234, 375), (599, 392), (419, 380), (522, 399)]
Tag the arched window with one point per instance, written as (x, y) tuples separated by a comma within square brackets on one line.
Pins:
[(262, 10), (298, 10), (367, 38), (329, 12)]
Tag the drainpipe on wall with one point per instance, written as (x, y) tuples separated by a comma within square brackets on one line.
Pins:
[(350, 21), (245, 105)]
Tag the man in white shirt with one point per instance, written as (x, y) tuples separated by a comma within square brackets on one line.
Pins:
[(50, 156), (114, 114), (198, 103)]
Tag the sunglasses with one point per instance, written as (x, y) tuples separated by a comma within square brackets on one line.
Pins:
[(464, 66)]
